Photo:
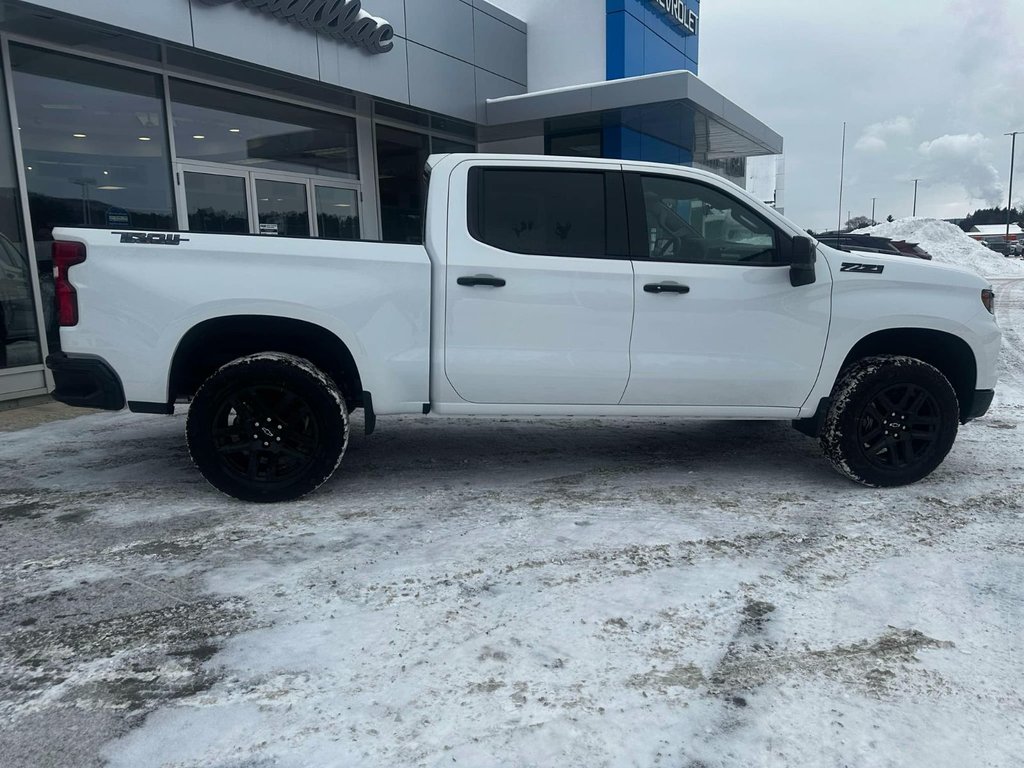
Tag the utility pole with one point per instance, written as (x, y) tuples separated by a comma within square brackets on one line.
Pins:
[(915, 197), (1009, 203), (842, 171), (873, 199)]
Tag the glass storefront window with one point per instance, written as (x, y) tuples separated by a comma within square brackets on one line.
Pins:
[(19, 332), (217, 202), (94, 142), (440, 146), (337, 213), (401, 158), (219, 126), (282, 208)]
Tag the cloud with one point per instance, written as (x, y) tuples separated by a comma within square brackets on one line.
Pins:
[(987, 57), (963, 160), (875, 137)]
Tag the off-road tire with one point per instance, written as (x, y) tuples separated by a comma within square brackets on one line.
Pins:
[(268, 427), (891, 422)]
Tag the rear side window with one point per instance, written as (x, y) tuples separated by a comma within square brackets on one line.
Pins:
[(544, 212)]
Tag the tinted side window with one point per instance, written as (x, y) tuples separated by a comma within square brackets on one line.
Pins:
[(552, 213), (694, 223)]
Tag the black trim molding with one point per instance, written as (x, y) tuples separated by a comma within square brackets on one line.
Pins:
[(139, 406), (980, 404)]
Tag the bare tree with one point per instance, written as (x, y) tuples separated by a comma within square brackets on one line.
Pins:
[(858, 222)]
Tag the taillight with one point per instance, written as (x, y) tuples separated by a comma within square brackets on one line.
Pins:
[(988, 298), (65, 256)]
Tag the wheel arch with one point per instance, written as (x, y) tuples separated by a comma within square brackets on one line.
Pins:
[(211, 343), (949, 353)]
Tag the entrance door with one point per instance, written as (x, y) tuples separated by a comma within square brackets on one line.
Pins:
[(217, 201), (282, 207), (237, 201), (337, 211)]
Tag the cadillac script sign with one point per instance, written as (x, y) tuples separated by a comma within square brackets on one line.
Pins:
[(343, 19)]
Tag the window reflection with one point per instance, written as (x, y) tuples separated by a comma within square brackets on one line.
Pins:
[(221, 126), (19, 337), (337, 214), (282, 208), (216, 203), (401, 158)]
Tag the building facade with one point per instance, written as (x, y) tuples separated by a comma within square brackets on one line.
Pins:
[(314, 118)]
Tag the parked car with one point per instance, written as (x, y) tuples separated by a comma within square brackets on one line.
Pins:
[(847, 241), (546, 286), (1001, 246), (911, 249), (19, 317)]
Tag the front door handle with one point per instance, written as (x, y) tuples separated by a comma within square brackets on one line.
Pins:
[(493, 282), (666, 287)]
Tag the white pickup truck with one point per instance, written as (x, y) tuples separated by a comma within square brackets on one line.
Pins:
[(546, 286)]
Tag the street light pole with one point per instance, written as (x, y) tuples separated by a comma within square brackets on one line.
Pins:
[(1009, 202), (842, 173), (873, 209), (915, 197)]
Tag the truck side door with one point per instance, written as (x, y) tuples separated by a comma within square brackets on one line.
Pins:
[(717, 321), (538, 284)]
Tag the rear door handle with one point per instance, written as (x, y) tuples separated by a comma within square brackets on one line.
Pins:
[(493, 282), (666, 287)]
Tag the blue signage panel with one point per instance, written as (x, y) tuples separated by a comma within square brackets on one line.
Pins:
[(649, 36), (645, 37)]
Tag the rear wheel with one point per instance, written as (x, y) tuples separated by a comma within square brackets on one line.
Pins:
[(267, 427), (892, 421)]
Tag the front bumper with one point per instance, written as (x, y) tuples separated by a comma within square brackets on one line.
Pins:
[(979, 405), (85, 382)]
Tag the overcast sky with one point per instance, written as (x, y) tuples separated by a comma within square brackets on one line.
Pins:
[(927, 87)]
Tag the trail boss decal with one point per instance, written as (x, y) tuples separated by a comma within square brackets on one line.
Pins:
[(154, 238), (871, 269)]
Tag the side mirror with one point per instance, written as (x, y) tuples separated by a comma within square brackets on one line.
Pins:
[(802, 256)]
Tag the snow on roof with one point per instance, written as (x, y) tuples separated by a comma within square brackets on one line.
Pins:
[(995, 229)]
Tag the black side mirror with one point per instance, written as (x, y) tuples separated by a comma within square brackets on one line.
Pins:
[(802, 256)]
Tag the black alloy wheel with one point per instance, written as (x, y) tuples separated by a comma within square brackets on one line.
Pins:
[(899, 426), (892, 421), (265, 434), (268, 427)]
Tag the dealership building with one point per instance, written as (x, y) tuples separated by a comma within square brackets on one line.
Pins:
[(313, 118)]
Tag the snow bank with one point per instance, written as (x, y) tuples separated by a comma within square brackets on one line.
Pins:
[(948, 244)]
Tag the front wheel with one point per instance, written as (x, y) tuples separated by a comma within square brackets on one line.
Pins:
[(892, 421), (267, 427)]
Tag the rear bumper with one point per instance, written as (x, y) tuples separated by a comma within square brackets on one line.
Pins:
[(85, 382), (979, 404)]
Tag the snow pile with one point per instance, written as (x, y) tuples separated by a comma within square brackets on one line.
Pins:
[(948, 244)]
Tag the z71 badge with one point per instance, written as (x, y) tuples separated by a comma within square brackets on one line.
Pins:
[(153, 238), (871, 269)]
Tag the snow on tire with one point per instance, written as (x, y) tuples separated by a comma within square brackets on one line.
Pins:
[(267, 427), (891, 422)]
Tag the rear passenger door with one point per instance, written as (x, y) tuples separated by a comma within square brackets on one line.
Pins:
[(539, 285)]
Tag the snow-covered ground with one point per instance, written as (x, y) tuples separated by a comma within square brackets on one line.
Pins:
[(516, 593), (948, 244)]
